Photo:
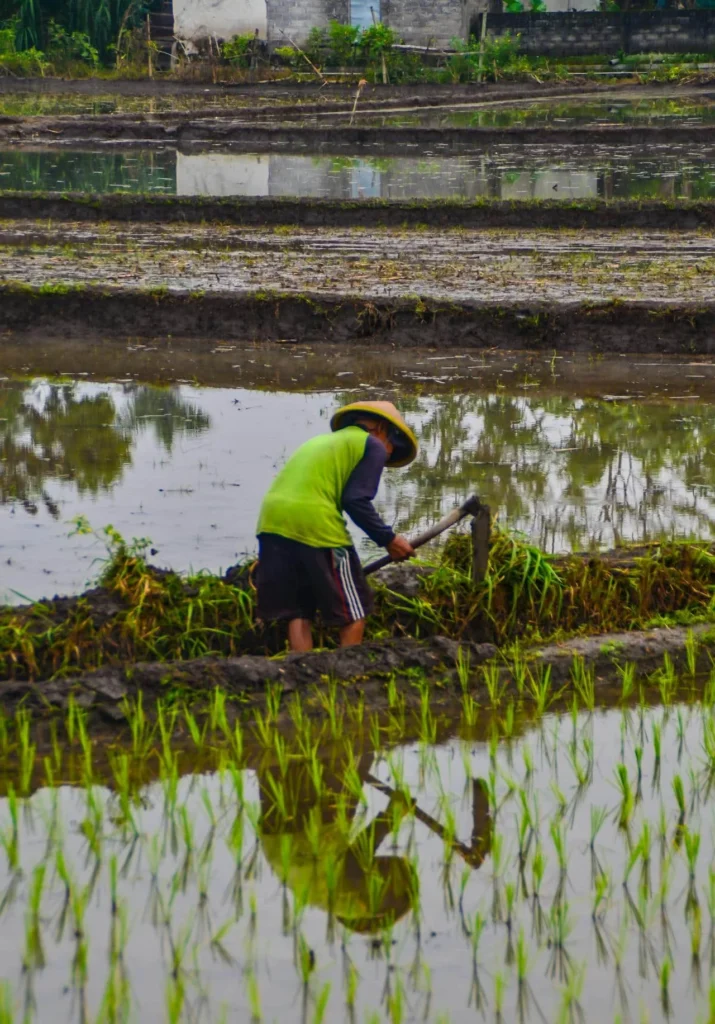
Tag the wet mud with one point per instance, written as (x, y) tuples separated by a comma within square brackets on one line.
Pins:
[(58, 311), (238, 134), (267, 211), (363, 672), (320, 93)]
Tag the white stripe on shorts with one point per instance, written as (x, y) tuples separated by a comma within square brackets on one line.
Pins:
[(346, 577)]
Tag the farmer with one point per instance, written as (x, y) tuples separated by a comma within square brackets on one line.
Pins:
[(307, 562)]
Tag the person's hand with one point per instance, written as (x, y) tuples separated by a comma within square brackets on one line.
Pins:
[(400, 548)]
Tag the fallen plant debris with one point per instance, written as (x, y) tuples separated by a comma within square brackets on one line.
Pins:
[(141, 614)]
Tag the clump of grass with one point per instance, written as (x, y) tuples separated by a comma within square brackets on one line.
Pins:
[(139, 613), (527, 593)]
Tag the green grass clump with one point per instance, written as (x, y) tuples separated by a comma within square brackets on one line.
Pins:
[(139, 613), (530, 595)]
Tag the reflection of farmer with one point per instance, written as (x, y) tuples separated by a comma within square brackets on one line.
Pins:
[(306, 561), (311, 843)]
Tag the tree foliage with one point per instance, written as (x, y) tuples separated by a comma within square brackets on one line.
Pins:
[(77, 24)]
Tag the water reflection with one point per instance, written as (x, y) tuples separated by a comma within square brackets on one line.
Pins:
[(85, 437), (501, 172), (590, 876), (188, 466), (84, 171), (569, 472)]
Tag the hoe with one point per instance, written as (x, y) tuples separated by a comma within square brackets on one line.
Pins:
[(480, 535)]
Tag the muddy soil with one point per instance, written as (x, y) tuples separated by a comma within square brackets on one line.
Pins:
[(192, 133), (593, 292), (263, 211), (361, 671), (633, 327), (319, 93), (546, 268)]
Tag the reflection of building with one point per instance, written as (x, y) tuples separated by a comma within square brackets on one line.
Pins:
[(467, 177)]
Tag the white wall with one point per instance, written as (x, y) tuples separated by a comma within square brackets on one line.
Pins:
[(556, 6), (197, 19)]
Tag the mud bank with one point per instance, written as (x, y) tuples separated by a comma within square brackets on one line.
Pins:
[(189, 132), (319, 92), (61, 311), (276, 105), (364, 671), (265, 211)]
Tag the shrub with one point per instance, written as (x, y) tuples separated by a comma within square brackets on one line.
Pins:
[(64, 46), (239, 50), (24, 63)]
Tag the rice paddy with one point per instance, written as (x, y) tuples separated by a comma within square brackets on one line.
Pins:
[(499, 808), (323, 863)]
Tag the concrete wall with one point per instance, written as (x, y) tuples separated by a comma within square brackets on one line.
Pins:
[(436, 21), (197, 19), (296, 17), (581, 31), (584, 32), (418, 21)]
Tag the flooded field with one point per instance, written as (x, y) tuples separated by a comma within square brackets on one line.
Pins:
[(17, 104), (506, 866), (606, 109), (172, 463), (449, 824), (502, 172), (602, 111)]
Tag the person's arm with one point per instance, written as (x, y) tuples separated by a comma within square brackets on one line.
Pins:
[(360, 490)]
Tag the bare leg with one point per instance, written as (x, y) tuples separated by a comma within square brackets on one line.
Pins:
[(300, 635), (352, 634)]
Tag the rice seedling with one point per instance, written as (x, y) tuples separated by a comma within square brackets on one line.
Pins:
[(464, 668), (665, 972), (691, 841), (679, 794), (34, 955), (584, 682), (627, 797), (495, 683)]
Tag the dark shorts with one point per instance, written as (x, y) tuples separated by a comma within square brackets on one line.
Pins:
[(295, 581)]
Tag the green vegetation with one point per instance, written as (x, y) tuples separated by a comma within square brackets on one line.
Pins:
[(145, 615), (330, 846), (39, 37)]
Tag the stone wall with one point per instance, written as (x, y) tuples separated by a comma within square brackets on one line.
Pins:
[(296, 17), (431, 21), (594, 32)]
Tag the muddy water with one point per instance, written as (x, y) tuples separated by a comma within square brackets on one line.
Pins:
[(243, 894), (606, 110), (504, 172), (187, 466), (665, 112)]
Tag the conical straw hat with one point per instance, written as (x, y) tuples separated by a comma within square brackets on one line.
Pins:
[(403, 453)]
